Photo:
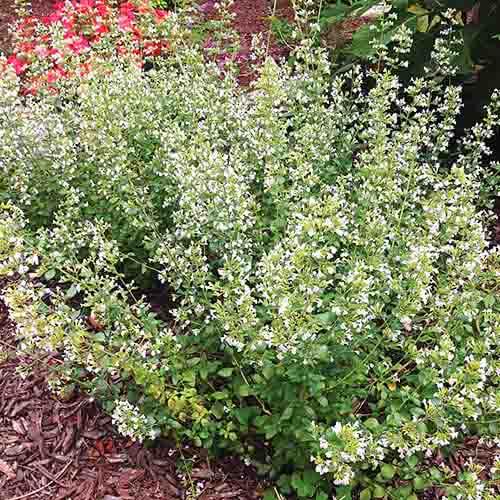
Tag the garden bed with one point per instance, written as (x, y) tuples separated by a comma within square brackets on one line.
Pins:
[(55, 449), (327, 295)]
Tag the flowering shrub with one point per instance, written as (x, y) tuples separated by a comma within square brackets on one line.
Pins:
[(71, 39), (328, 294)]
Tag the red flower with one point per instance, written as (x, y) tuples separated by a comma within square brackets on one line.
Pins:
[(58, 6), (26, 46), (84, 68), (52, 18), (86, 4), (101, 29), (137, 33), (79, 45), (18, 64), (160, 15), (53, 75), (68, 23), (127, 7), (102, 9), (152, 48), (126, 20)]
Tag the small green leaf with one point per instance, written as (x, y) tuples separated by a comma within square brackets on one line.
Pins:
[(419, 483), (72, 291), (388, 471), (323, 401), (378, 492), (366, 494), (372, 423), (49, 274), (244, 391), (225, 372), (343, 493), (269, 495)]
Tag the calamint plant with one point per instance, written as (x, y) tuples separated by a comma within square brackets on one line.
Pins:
[(329, 302)]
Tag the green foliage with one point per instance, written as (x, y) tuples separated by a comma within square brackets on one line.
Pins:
[(473, 25), (327, 292)]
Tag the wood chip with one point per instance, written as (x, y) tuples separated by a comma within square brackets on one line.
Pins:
[(6, 469)]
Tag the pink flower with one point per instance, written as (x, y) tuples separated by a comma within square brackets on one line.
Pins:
[(126, 20), (55, 74), (160, 15), (68, 23), (79, 45), (86, 4), (18, 64), (41, 51), (52, 18)]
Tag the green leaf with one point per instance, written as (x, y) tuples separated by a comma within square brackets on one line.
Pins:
[(287, 413), (366, 494), (244, 390), (72, 291), (49, 274), (269, 495), (372, 424), (323, 401), (225, 372), (220, 395), (419, 483), (344, 492), (378, 492), (388, 471)]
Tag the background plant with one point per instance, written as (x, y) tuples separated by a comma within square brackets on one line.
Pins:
[(79, 35), (329, 299)]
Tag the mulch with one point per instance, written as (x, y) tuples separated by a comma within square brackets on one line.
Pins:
[(54, 449), (39, 8)]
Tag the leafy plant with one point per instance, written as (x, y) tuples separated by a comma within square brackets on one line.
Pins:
[(328, 298), (77, 36)]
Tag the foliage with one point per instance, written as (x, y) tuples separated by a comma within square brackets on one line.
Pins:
[(79, 34), (328, 292), (471, 23)]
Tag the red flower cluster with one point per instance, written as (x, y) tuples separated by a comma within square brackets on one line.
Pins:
[(89, 28)]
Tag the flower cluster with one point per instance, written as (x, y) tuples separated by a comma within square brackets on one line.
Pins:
[(68, 41), (130, 422), (342, 447)]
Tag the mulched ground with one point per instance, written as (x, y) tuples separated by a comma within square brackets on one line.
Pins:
[(8, 15), (53, 449)]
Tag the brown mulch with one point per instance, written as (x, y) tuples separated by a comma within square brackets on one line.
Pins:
[(252, 17), (39, 8), (54, 449)]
